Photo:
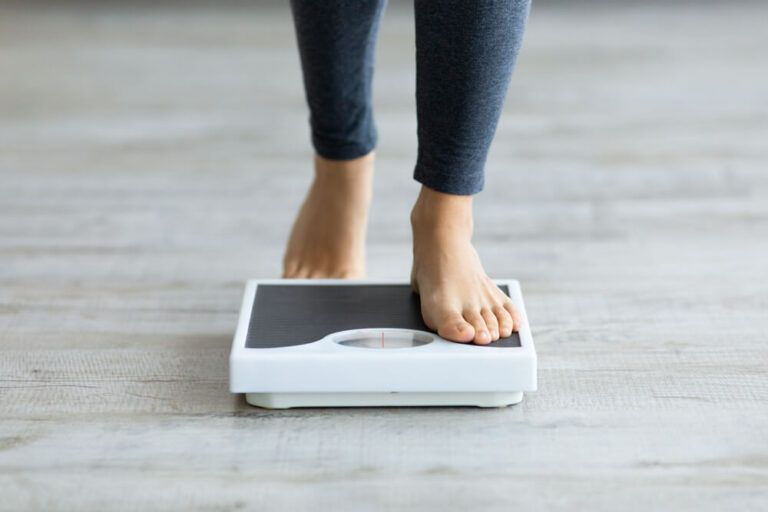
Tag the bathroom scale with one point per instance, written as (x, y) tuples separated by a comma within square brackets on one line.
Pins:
[(344, 343)]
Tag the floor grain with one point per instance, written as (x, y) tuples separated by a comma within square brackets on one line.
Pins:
[(152, 156)]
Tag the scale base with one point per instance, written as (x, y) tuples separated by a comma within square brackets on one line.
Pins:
[(403, 399)]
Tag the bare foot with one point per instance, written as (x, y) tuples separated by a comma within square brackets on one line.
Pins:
[(458, 299), (328, 237)]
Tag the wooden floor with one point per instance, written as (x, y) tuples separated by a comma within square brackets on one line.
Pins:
[(152, 156)]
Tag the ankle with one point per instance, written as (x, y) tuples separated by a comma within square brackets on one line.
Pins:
[(351, 180), (435, 213), (355, 170)]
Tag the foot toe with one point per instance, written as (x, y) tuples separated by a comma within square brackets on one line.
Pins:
[(506, 323), (482, 336), (453, 327), (289, 269), (301, 273), (491, 322), (513, 313), (317, 274)]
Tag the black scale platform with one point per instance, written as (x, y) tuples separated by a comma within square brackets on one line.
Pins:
[(287, 315)]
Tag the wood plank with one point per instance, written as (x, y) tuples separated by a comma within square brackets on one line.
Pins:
[(151, 160)]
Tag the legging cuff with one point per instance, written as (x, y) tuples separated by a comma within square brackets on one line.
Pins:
[(344, 151), (460, 180)]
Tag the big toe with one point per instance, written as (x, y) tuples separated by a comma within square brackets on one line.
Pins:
[(453, 327)]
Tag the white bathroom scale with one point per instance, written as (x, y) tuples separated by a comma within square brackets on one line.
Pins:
[(342, 343)]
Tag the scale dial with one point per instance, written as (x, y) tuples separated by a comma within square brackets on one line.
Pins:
[(384, 339)]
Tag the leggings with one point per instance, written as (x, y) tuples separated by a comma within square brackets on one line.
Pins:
[(465, 52)]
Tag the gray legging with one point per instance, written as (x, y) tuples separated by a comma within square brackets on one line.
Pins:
[(465, 52)]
